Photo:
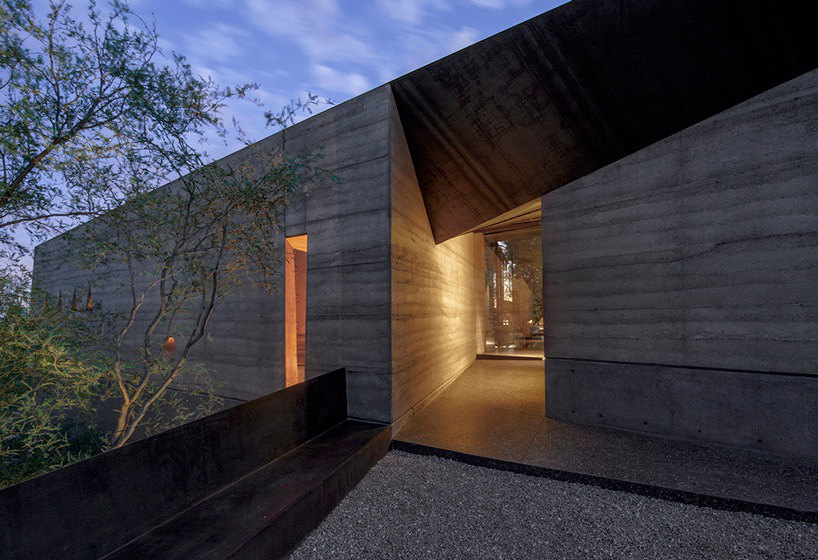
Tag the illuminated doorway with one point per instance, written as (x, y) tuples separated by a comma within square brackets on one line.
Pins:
[(513, 309), (295, 308), (514, 318)]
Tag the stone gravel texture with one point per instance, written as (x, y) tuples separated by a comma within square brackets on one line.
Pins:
[(412, 506)]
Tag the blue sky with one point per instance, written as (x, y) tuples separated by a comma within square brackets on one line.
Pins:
[(334, 48)]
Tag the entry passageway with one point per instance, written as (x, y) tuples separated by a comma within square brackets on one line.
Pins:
[(496, 409)]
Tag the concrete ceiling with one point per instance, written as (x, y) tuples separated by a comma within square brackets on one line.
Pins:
[(523, 221), (526, 111)]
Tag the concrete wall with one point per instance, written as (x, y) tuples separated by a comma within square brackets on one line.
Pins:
[(699, 251), (435, 310), (348, 267), (244, 347), (348, 257)]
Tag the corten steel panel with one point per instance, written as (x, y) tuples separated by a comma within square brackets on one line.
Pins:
[(581, 86), (87, 509), (265, 514)]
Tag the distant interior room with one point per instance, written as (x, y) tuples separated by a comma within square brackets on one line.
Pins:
[(295, 325), (513, 284)]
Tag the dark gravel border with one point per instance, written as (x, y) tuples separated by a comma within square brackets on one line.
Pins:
[(422, 507), (650, 491)]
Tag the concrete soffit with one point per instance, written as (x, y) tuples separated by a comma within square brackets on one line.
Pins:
[(503, 122)]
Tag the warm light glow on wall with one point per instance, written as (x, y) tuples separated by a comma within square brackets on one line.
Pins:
[(295, 308)]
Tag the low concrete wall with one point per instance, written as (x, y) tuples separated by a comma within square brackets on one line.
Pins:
[(775, 413), (89, 508)]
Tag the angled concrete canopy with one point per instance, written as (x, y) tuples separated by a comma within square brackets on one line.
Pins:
[(559, 96)]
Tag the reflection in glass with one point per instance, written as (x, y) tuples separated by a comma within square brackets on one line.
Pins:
[(514, 317)]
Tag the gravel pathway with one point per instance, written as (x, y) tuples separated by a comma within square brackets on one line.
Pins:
[(412, 506)]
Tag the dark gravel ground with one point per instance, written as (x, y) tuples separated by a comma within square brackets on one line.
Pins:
[(411, 506)]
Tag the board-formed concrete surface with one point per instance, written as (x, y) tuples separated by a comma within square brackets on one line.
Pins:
[(437, 292), (348, 267), (243, 357), (700, 251), (347, 223), (410, 506), (765, 412)]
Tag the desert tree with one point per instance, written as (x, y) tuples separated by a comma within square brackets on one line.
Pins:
[(75, 93), (94, 118), (177, 251)]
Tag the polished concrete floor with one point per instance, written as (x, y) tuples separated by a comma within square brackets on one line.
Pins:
[(532, 353), (496, 409)]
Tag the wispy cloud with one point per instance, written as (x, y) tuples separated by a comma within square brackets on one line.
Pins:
[(208, 4), (422, 46), (411, 11), (494, 4), (499, 4), (349, 83), (221, 42), (345, 54), (317, 26)]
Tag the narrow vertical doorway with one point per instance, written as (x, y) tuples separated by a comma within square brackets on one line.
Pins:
[(513, 308), (295, 308)]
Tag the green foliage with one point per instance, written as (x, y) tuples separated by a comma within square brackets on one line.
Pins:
[(50, 382), (57, 372), (525, 254)]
